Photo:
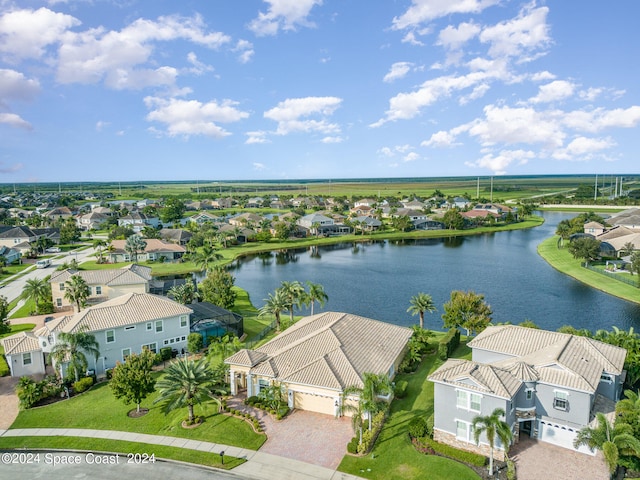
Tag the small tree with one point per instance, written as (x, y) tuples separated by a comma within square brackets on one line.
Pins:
[(420, 303), (132, 381), (217, 288), (5, 327), (586, 248), (467, 310), (184, 293), (134, 245), (492, 426), (77, 291), (195, 342), (274, 305), (70, 347)]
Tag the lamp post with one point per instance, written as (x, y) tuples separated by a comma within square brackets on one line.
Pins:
[(222, 457)]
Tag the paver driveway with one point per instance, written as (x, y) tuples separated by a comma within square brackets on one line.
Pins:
[(540, 460)]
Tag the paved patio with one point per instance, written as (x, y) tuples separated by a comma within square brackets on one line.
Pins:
[(541, 460), (306, 436)]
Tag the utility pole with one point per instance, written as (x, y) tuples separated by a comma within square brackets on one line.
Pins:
[(491, 201), (478, 189), (595, 189)]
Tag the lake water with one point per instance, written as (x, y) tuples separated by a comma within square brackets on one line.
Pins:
[(377, 279)]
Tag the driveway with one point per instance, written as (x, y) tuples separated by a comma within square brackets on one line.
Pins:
[(536, 459), (8, 402), (306, 436)]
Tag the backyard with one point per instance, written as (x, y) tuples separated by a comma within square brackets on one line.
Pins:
[(393, 456)]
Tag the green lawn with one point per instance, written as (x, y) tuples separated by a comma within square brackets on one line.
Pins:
[(394, 457), (11, 270), (563, 261), (98, 409), (115, 446)]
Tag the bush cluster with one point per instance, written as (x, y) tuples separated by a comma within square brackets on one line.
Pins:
[(369, 436), (470, 458), (83, 384), (400, 390), (448, 343), (4, 367), (418, 427), (352, 446), (165, 353), (31, 392)]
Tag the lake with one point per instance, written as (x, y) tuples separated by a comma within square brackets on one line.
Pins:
[(377, 279)]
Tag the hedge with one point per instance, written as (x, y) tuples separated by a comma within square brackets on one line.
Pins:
[(4, 367), (83, 384), (401, 389), (449, 343), (452, 452)]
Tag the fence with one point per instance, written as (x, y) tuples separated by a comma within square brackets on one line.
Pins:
[(628, 279), (265, 331)]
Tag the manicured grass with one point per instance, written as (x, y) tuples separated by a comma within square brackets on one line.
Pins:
[(96, 445), (563, 261), (394, 457), (25, 310), (11, 270), (99, 409)]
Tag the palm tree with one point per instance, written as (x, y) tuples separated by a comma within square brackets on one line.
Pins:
[(420, 303), (206, 257), (185, 383), (133, 245), (630, 406), (77, 291), (373, 385), (184, 293), (611, 440), (70, 348), (36, 289), (492, 426), (294, 293), (274, 305), (99, 244), (316, 294)]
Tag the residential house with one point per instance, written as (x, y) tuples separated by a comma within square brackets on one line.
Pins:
[(204, 217), (365, 202), (92, 220), (361, 210), (428, 224), (220, 203), (549, 384), (460, 203), (308, 221), (176, 235), (103, 284), (254, 202), (368, 224), (103, 210), (138, 221), (11, 255), (154, 251), (320, 356), (58, 213), (122, 326), (594, 228), (11, 236), (241, 234), (629, 218), (413, 215), (413, 204), (245, 219)]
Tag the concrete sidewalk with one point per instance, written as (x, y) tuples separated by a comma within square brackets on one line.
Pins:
[(258, 465)]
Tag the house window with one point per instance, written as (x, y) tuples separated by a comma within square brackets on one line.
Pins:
[(183, 320), (606, 378), (26, 358), (149, 326), (61, 285), (58, 302), (98, 290), (126, 352), (152, 347), (464, 431), (560, 400), (127, 257), (159, 326), (130, 327), (529, 394), (111, 336), (90, 290), (468, 400), (166, 342)]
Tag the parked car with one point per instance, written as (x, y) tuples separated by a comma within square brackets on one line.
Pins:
[(53, 250), (48, 319), (43, 263)]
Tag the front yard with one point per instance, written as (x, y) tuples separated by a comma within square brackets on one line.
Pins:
[(393, 456)]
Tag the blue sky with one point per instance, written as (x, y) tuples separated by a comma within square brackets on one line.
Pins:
[(108, 90)]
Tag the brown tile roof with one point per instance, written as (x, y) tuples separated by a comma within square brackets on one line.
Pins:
[(22, 342), (329, 350), (128, 275), (153, 246)]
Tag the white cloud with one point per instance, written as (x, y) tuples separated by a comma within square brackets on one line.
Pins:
[(542, 76), (454, 37), (411, 157), (283, 14), (256, 137), (191, 117), (410, 38), (15, 86), (554, 91), (440, 139), (197, 67), (332, 139), (259, 166), (397, 71), (498, 163), (477, 92), (292, 114), (27, 33), (583, 148), (522, 35), (245, 51), (422, 11), (599, 119), (13, 120), (100, 125)]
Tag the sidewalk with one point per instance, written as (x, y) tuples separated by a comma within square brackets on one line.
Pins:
[(262, 466)]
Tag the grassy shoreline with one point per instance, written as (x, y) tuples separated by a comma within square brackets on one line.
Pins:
[(563, 261)]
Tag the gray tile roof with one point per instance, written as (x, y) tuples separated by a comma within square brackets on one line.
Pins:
[(329, 350), (22, 342), (129, 275)]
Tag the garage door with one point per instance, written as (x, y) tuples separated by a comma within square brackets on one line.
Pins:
[(314, 403), (560, 435)]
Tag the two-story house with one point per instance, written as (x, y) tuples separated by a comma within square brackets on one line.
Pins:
[(549, 384), (103, 284), (121, 326)]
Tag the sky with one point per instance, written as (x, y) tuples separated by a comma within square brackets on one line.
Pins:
[(133, 90)]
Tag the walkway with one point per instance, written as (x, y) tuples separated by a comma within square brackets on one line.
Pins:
[(259, 465)]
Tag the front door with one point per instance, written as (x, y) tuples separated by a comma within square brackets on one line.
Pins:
[(525, 427)]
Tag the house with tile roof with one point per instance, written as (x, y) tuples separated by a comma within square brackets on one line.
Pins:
[(103, 284), (155, 250), (549, 384), (122, 326), (316, 359)]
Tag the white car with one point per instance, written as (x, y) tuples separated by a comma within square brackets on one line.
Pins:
[(53, 250)]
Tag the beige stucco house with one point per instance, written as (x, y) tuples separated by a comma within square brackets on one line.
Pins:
[(316, 359)]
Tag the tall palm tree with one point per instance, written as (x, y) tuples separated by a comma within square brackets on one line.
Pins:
[(611, 440), (206, 257), (373, 385), (316, 294), (99, 245), (36, 289), (76, 291), (134, 245), (71, 347), (294, 293), (184, 383), (492, 426), (420, 303), (274, 305)]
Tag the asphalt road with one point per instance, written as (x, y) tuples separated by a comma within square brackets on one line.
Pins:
[(19, 465)]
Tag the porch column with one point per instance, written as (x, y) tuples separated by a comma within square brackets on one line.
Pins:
[(249, 385), (233, 382)]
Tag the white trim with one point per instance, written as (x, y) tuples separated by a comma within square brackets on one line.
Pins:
[(184, 318), (124, 359), (469, 431), (468, 394), (106, 335), (30, 362)]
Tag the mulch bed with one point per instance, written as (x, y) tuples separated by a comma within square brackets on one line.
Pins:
[(137, 414)]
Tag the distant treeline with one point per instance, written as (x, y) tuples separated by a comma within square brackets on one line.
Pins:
[(247, 189)]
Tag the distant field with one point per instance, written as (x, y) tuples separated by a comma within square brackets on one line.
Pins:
[(504, 188)]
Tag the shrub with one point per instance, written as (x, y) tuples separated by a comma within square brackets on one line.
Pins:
[(4, 368), (165, 353), (448, 343), (83, 384), (418, 427), (401, 389), (511, 470), (29, 392), (352, 446), (452, 452), (430, 423), (195, 343), (157, 359), (252, 400)]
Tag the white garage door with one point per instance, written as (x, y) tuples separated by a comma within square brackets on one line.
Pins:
[(560, 435), (314, 403)]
